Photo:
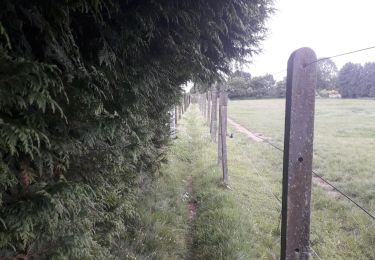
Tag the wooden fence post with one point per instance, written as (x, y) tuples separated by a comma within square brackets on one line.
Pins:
[(298, 155), (213, 126), (219, 139)]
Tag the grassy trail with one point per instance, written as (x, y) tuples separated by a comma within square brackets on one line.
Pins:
[(242, 223)]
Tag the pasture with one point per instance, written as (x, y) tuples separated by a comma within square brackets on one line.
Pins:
[(344, 154)]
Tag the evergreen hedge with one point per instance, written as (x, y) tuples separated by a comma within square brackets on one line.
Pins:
[(85, 90)]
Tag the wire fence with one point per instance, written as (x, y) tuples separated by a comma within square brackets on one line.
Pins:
[(344, 194), (283, 71), (340, 191), (267, 185), (306, 112)]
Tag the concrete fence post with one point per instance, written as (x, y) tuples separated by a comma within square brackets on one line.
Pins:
[(213, 126), (208, 108), (298, 155), (204, 98), (223, 126), (173, 125), (219, 138)]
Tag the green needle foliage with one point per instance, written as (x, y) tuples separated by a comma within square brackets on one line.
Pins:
[(85, 90)]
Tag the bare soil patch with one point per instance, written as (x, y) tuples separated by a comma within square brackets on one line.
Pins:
[(257, 137), (192, 204), (319, 182)]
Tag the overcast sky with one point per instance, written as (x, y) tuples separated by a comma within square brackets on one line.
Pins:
[(329, 27)]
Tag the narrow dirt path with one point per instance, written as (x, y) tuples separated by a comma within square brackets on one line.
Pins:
[(331, 191), (192, 204), (245, 131), (255, 137)]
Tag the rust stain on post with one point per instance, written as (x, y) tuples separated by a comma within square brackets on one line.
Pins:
[(298, 155)]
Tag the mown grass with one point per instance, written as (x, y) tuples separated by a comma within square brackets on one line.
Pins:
[(344, 152)]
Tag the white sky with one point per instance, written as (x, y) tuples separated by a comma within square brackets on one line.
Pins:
[(329, 27)]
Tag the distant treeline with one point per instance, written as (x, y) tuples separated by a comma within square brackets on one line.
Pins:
[(242, 85), (351, 81), (355, 80)]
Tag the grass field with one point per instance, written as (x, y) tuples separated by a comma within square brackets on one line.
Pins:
[(344, 152), (244, 222)]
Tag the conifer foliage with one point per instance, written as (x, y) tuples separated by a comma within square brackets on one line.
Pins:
[(85, 90)]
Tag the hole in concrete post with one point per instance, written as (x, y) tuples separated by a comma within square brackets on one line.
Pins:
[(296, 250), (300, 159)]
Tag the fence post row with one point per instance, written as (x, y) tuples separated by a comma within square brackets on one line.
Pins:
[(207, 103), (298, 155), (223, 130)]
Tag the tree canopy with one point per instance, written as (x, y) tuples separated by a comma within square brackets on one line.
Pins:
[(85, 91), (326, 75)]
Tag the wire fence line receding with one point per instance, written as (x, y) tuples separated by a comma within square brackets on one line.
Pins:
[(281, 71)]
